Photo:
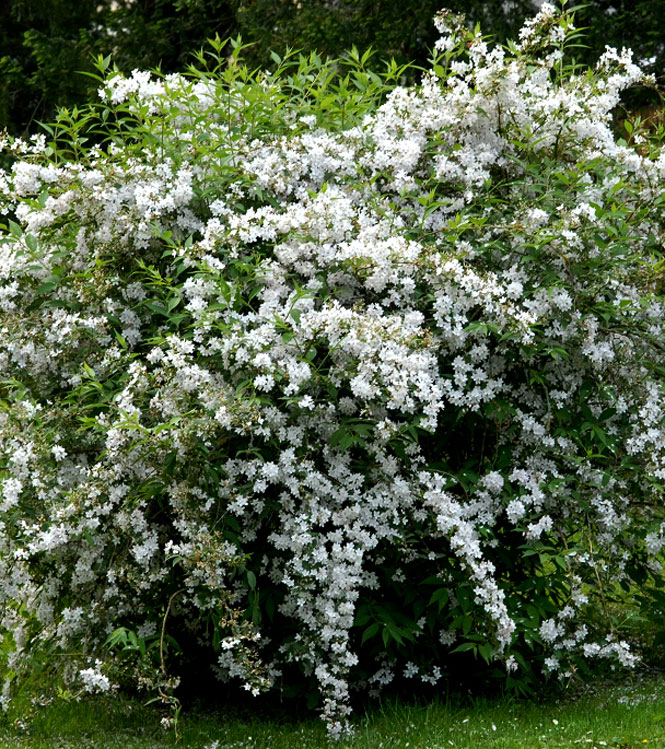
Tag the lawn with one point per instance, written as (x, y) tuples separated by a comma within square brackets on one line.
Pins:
[(628, 715)]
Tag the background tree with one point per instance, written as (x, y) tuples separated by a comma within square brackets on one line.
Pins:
[(43, 43), (403, 30)]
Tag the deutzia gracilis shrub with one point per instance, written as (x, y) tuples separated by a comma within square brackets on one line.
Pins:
[(323, 381)]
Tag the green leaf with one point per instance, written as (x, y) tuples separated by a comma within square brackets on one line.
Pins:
[(439, 597), (465, 647), (395, 633), (120, 338), (117, 637), (370, 632), (46, 287)]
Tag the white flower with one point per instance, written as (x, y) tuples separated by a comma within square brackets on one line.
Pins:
[(94, 680), (515, 510), (493, 482), (550, 630), (410, 670), (11, 490), (59, 452), (535, 530)]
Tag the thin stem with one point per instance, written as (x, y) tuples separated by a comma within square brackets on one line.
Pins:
[(161, 639)]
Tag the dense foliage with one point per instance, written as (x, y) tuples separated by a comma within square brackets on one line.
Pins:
[(322, 378), (48, 46), (45, 43)]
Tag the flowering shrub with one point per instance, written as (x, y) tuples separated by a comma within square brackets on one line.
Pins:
[(328, 378)]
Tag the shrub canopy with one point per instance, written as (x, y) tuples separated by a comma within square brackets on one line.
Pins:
[(326, 378), (44, 44)]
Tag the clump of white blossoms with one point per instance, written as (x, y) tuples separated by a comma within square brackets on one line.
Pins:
[(332, 376), (93, 680)]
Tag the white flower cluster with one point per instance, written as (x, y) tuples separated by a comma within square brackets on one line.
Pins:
[(287, 364), (93, 679)]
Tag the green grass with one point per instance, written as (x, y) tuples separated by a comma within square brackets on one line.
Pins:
[(628, 715)]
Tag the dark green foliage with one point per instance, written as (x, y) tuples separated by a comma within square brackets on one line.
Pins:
[(44, 43), (637, 24), (394, 28), (41, 44)]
